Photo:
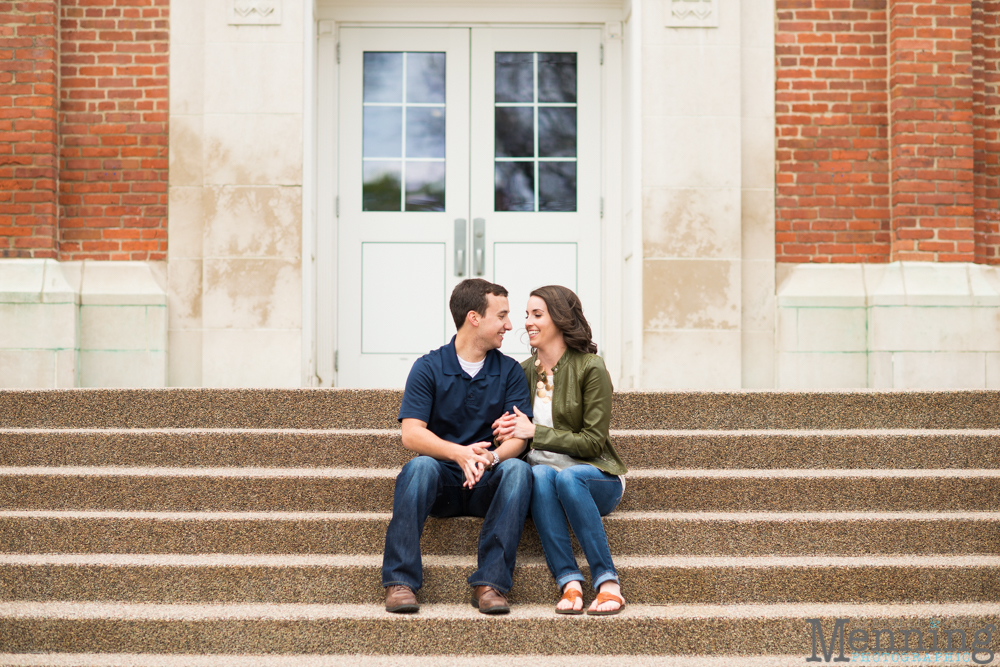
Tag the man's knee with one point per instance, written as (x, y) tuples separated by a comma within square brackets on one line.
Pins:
[(516, 473), (420, 472)]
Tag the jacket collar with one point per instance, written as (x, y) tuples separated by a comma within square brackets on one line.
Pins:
[(450, 365)]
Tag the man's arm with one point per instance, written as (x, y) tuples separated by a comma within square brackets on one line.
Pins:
[(418, 438)]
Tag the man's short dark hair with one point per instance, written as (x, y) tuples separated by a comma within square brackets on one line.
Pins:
[(471, 295)]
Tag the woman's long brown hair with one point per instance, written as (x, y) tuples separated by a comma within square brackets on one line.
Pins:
[(566, 312)]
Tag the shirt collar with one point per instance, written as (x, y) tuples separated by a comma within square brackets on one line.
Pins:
[(450, 365)]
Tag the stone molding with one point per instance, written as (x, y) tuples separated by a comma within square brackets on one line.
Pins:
[(692, 13)]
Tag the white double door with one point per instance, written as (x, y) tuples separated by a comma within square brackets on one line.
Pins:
[(464, 153)]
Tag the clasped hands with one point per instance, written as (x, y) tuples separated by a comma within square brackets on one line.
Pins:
[(515, 425)]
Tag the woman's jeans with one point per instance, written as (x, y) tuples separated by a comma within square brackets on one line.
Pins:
[(582, 494)]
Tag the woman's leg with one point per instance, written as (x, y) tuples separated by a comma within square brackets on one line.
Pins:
[(550, 521), (586, 494)]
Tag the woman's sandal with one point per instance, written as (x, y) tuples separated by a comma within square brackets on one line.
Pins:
[(572, 595), (607, 597)]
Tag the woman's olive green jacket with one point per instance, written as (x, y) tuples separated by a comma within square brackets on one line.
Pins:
[(581, 411)]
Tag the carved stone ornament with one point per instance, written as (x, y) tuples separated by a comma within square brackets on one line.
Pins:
[(254, 12), (692, 13)]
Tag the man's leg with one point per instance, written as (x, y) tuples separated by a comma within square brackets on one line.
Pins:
[(502, 498), (415, 494)]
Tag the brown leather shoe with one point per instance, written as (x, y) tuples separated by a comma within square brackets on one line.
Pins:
[(489, 600), (400, 600)]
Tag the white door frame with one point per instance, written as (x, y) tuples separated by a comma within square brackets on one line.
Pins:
[(319, 207)]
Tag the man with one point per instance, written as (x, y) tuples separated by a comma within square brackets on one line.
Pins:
[(452, 397)]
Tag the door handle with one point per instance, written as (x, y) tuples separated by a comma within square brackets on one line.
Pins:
[(460, 244), (479, 245)]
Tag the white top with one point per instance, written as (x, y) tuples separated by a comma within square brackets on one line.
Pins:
[(472, 368)]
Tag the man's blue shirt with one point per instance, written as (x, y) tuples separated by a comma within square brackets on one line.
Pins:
[(458, 408)]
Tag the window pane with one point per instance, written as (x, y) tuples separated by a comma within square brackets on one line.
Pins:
[(425, 132), (514, 74), (557, 77), (557, 132), (381, 191), (514, 132), (514, 186), (383, 73), (425, 186), (383, 132), (425, 78), (557, 186)]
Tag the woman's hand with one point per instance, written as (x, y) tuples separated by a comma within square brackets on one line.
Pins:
[(523, 428), (503, 428)]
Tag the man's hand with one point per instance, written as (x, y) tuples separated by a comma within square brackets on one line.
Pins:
[(473, 460), (503, 428)]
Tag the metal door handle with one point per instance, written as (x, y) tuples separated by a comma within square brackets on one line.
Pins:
[(479, 244), (460, 247)]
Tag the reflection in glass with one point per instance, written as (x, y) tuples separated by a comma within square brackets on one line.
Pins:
[(383, 132), (557, 132), (425, 186), (383, 74), (557, 77), (425, 78), (424, 132), (381, 189), (514, 186), (557, 186), (514, 132), (514, 77)]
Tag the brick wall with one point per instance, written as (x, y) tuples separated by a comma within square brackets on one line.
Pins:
[(113, 129), (832, 131), (986, 107), (28, 133), (887, 135)]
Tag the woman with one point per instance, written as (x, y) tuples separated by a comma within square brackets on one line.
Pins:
[(577, 473)]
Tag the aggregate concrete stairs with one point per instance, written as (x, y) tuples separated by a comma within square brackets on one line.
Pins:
[(242, 527)]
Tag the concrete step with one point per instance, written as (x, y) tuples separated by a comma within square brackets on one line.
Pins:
[(629, 533), (459, 629), (313, 660), (381, 448), (284, 579), (355, 408), (371, 489)]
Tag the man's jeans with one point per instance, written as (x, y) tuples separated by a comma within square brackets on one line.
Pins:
[(427, 486), (582, 494)]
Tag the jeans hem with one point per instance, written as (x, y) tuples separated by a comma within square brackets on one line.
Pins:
[(495, 587), (400, 583), (568, 577), (607, 576)]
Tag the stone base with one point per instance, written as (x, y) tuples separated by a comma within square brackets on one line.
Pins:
[(82, 324), (905, 325)]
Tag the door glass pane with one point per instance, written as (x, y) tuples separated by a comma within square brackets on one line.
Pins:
[(557, 186), (514, 186), (403, 118), (515, 132), (535, 132), (557, 77), (514, 73), (425, 186), (425, 78)]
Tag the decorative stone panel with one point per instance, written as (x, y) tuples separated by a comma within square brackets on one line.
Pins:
[(692, 13), (254, 12)]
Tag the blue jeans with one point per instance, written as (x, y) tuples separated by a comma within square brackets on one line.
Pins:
[(428, 487), (582, 494)]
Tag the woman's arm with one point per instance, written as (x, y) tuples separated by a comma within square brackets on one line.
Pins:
[(589, 442)]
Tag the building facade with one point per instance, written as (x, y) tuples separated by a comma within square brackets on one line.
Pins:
[(792, 194)]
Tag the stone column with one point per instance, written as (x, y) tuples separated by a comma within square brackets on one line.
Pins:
[(930, 130)]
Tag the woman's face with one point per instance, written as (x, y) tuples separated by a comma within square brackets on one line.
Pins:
[(541, 330)]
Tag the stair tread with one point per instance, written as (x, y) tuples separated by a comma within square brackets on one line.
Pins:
[(292, 611), (434, 560)]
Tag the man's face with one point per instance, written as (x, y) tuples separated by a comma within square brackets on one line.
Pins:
[(495, 323)]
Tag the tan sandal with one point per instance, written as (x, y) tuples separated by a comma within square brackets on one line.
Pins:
[(572, 595), (607, 597)]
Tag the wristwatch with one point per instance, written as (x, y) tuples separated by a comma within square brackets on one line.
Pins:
[(496, 460)]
